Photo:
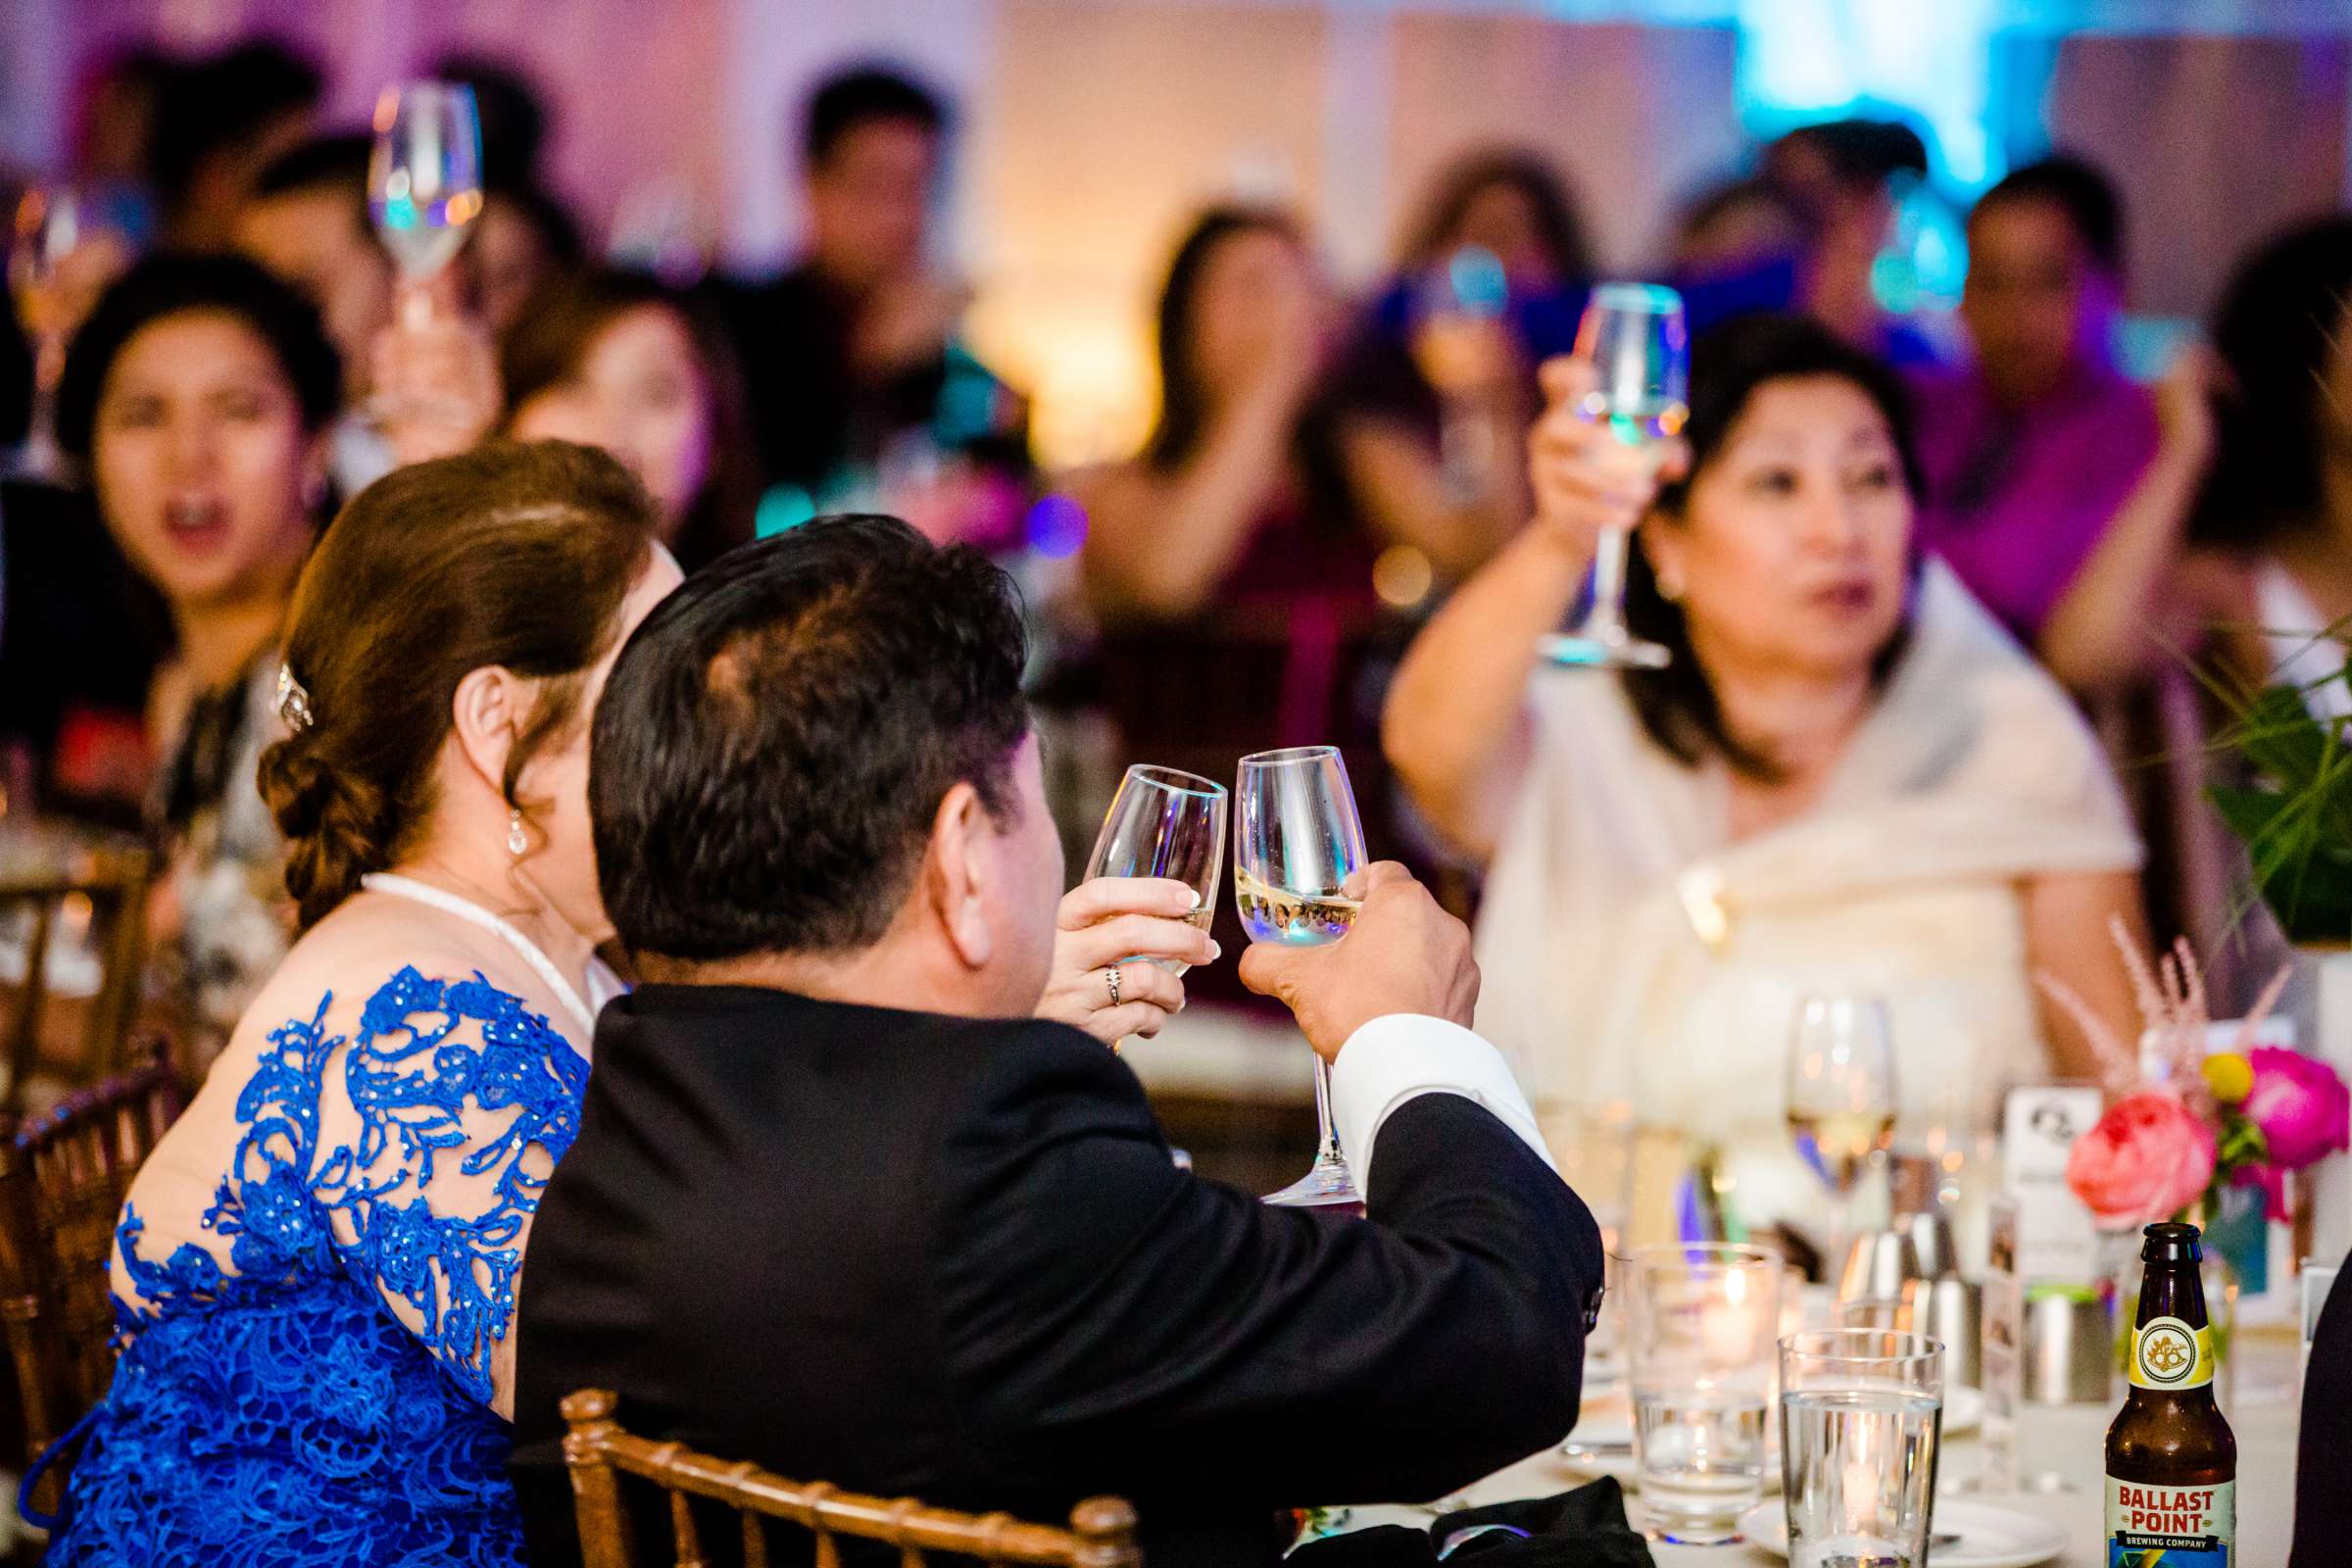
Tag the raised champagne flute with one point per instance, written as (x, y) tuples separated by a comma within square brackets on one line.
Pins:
[(1297, 840), (1842, 1094), (424, 183), (1638, 345), (1461, 305), (1164, 822)]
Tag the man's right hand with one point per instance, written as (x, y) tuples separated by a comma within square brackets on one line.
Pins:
[(1404, 954)]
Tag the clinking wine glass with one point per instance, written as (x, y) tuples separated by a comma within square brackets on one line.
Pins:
[(424, 181), (1638, 345), (1297, 839), (1842, 1093), (1164, 822)]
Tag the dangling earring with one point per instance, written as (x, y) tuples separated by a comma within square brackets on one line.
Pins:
[(517, 841)]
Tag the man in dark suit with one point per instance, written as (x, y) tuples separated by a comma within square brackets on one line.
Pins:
[(839, 1205)]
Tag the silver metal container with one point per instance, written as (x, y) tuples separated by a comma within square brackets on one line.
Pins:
[(1877, 1267), (1951, 1309), (2070, 1349), (1930, 1233)]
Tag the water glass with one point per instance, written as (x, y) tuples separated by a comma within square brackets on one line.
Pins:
[(1165, 823), (1700, 1322), (1861, 1415)]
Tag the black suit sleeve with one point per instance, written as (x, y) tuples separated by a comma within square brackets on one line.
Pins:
[(1114, 1322)]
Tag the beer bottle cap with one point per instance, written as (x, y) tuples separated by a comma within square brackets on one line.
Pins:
[(2171, 1243)]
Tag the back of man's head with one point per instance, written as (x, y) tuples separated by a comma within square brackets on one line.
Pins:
[(776, 739)]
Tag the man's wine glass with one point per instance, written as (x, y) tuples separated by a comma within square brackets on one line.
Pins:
[(424, 180), (1842, 1093), (1638, 346), (1297, 839), (1164, 822)]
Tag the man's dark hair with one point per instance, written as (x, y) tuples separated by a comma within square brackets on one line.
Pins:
[(862, 96), (219, 103), (1862, 152), (2077, 188), (776, 738), (324, 163)]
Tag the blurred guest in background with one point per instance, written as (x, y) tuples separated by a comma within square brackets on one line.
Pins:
[(220, 121), (306, 221), (114, 137), (613, 359), (1739, 225), (1233, 494), (1846, 173), (2054, 488), (1433, 396), (199, 395), (860, 387), (2276, 511), (1847, 779)]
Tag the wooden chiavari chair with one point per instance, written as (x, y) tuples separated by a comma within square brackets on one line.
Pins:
[(63, 1178), (107, 897), (1102, 1533)]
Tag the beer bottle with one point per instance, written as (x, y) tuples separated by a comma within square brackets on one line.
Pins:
[(2172, 1462)]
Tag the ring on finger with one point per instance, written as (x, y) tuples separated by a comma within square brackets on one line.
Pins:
[(1110, 979)]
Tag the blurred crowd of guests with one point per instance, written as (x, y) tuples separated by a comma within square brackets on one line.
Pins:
[(229, 354)]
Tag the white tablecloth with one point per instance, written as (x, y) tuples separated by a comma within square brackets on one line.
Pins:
[(2065, 1443)]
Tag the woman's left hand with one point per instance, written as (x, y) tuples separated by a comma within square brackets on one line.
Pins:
[(1106, 926)]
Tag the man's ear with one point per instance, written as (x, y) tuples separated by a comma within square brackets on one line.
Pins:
[(958, 873)]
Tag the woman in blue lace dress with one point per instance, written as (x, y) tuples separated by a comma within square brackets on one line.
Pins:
[(314, 1274)]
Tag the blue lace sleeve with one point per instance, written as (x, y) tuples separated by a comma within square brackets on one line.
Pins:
[(463, 1101)]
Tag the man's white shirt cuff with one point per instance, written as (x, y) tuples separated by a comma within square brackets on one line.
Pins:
[(1403, 1054)]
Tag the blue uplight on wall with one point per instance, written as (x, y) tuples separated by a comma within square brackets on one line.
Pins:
[(1806, 60)]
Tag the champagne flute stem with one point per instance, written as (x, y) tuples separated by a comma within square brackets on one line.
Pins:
[(1609, 581), (1327, 1147)]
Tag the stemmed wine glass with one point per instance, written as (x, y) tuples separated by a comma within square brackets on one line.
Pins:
[(1297, 839), (1164, 822), (424, 181), (45, 230), (1635, 339), (1842, 1093)]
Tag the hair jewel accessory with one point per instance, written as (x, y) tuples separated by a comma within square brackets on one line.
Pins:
[(293, 702)]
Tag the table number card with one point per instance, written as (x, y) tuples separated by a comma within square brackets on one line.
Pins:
[(2003, 1353), (2056, 1241)]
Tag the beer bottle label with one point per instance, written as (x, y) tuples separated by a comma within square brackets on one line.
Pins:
[(2169, 1354), (2178, 1527)]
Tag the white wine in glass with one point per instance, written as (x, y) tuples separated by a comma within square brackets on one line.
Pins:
[(1297, 840), (1842, 1093), (1635, 338)]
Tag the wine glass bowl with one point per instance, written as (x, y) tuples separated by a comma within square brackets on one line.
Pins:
[(1841, 1096), (1298, 839), (1164, 822), (425, 177)]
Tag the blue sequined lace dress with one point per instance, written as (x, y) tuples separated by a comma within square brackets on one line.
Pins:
[(324, 1397)]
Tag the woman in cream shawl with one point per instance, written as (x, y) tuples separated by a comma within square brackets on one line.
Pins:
[(1850, 779)]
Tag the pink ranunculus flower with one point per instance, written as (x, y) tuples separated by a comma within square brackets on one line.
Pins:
[(2148, 1158), (2301, 1105)]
